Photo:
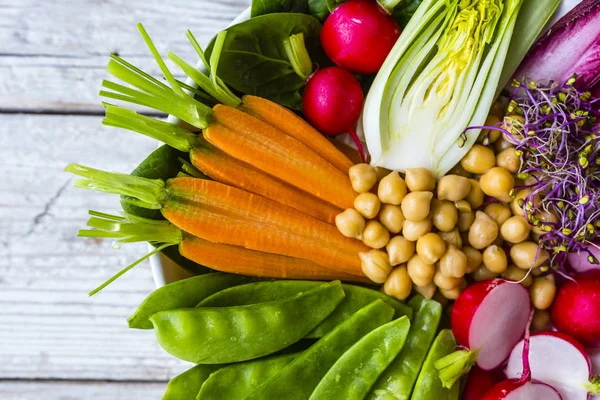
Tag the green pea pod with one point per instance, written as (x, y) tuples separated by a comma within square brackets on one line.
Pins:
[(237, 381), (398, 379), (184, 293), (353, 374), (301, 376), (429, 386), (186, 385), (220, 335), (356, 298)]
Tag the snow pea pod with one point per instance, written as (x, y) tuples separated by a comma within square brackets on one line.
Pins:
[(236, 381), (186, 385), (398, 379), (353, 374), (180, 294), (219, 335), (301, 376), (356, 298), (429, 386)]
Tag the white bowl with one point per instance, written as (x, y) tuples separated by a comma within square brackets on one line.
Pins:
[(163, 269)]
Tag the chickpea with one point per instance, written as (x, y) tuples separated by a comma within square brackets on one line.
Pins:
[(454, 293), (375, 265), (416, 205), (459, 170), (509, 160), (483, 232), (453, 263), (414, 230), (495, 259), (521, 201), (452, 238), (488, 136), (541, 321), (382, 172), (474, 258), (524, 255), (497, 109), (398, 284), (501, 145), (350, 223), (546, 218), (499, 212), (367, 204), (392, 189), (392, 218), (420, 272), (542, 292), (419, 179), (362, 177), (426, 291), (430, 248), (514, 124), (476, 195), (463, 206), (482, 274), (497, 182), (445, 282), (444, 215), (375, 235), (465, 220), (515, 230), (400, 250), (516, 274), (478, 160), (441, 299), (453, 188)]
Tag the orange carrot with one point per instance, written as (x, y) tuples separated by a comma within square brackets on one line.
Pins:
[(238, 260), (294, 126), (257, 143), (226, 169), (219, 213)]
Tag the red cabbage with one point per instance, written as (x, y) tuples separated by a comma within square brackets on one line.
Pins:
[(571, 46)]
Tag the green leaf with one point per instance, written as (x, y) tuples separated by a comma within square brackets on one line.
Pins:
[(254, 60), (262, 7), (405, 10)]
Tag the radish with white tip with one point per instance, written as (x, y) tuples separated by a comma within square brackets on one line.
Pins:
[(557, 360), (515, 389), (488, 319)]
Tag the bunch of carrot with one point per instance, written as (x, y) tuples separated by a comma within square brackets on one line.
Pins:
[(277, 183)]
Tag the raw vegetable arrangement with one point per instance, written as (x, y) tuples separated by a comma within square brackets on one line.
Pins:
[(379, 199)]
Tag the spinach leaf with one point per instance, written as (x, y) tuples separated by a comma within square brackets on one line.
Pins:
[(254, 61), (261, 7), (405, 10), (320, 9)]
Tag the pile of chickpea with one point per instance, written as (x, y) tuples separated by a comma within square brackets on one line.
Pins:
[(429, 236)]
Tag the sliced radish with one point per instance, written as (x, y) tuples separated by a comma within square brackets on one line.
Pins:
[(515, 389), (558, 360), (478, 383), (488, 318)]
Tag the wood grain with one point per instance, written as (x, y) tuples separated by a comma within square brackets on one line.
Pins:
[(80, 390)]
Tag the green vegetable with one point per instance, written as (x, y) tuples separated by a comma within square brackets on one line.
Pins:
[(236, 381), (254, 59), (299, 379), (252, 293), (429, 386), (181, 294), (405, 10), (398, 379), (440, 78), (234, 334), (320, 8), (261, 7), (186, 385), (353, 374)]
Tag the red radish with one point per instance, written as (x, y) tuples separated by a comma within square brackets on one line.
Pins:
[(488, 318), (478, 383), (358, 35), (332, 103), (557, 360), (576, 309), (515, 389)]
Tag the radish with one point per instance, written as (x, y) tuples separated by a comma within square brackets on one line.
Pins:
[(358, 35), (488, 318), (576, 309), (478, 383), (332, 103), (557, 360), (582, 261), (515, 389)]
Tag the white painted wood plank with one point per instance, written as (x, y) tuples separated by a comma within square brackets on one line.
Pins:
[(49, 327), (80, 390)]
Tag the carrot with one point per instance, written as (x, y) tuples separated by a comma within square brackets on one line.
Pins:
[(294, 126), (238, 260), (270, 150), (226, 169)]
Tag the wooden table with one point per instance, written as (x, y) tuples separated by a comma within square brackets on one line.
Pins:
[(55, 341)]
